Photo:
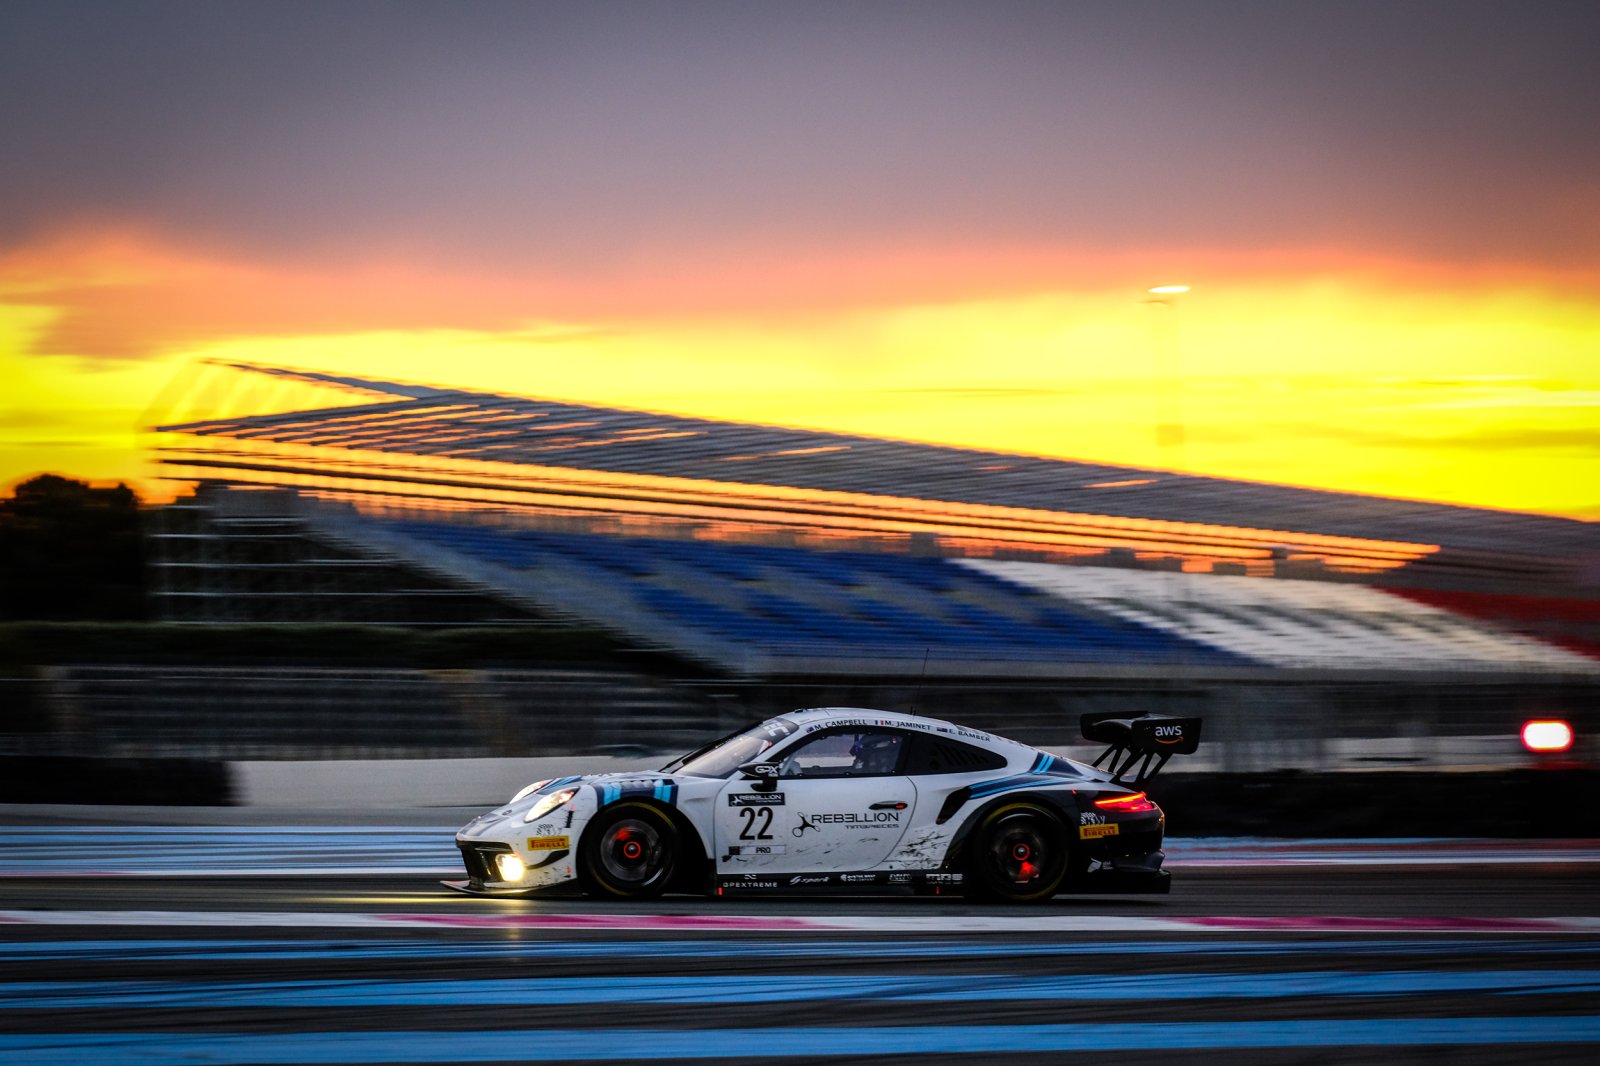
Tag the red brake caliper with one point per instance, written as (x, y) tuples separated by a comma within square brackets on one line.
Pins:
[(1022, 853)]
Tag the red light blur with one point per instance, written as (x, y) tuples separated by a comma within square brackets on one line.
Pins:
[(1547, 734), (1133, 801)]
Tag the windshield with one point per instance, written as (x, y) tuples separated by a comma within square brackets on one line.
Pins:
[(722, 757)]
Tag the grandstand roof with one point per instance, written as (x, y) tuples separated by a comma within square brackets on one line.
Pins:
[(465, 425)]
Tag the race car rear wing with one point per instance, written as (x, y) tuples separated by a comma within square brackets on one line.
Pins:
[(1148, 740)]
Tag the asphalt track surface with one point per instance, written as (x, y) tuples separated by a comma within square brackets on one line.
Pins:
[(112, 950)]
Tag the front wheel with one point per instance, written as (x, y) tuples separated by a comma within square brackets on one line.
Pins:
[(1019, 855), (629, 852)]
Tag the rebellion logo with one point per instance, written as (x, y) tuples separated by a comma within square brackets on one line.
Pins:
[(755, 799), (861, 818)]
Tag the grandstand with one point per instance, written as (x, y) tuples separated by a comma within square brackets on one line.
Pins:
[(654, 579), (761, 551)]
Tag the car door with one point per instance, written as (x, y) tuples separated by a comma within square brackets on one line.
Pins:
[(840, 803)]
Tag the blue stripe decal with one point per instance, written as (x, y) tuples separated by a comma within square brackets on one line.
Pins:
[(739, 989), (1010, 784), (1041, 766), (170, 1049)]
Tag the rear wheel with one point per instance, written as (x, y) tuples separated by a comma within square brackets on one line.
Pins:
[(1018, 854), (629, 852)]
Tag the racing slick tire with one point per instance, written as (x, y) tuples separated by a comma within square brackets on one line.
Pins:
[(630, 851), (1019, 854)]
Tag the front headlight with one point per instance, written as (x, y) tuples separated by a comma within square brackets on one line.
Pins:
[(549, 803), (530, 789)]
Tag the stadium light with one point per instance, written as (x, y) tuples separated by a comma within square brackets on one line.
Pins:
[(1546, 735), (1167, 290)]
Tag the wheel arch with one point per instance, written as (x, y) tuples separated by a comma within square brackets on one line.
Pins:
[(693, 873), (1060, 803), (693, 862)]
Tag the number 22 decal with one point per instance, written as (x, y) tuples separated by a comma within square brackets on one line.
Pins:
[(751, 816)]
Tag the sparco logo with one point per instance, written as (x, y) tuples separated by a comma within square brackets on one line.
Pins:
[(809, 880)]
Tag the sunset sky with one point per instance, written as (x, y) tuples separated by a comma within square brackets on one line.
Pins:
[(928, 220)]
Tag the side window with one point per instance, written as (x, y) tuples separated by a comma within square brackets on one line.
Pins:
[(932, 754), (847, 753)]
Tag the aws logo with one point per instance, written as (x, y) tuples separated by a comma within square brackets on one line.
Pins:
[(1169, 734)]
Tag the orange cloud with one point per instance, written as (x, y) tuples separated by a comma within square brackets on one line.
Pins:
[(126, 294)]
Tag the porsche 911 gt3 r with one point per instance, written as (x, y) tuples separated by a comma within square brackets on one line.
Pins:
[(844, 799)]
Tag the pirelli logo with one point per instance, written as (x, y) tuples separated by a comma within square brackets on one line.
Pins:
[(547, 843), (1092, 832)]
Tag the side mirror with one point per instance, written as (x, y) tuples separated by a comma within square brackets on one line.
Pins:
[(764, 774)]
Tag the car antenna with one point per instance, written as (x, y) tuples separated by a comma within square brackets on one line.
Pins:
[(920, 677)]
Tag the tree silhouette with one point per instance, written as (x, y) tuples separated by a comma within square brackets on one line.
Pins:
[(71, 552)]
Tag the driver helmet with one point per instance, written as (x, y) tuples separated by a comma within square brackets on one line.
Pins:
[(875, 753)]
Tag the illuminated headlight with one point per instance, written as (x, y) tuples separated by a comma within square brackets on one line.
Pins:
[(549, 803), (530, 789), (510, 866)]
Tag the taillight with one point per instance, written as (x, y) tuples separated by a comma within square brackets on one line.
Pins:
[(1548, 734), (1126, 803)]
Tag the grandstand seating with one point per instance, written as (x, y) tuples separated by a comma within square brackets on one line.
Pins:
[(1571, 623), (736, 603), (1294, 623)]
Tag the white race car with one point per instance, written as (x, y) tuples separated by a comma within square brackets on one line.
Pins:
[(846, 800)]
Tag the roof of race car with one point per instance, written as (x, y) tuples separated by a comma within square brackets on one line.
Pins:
[(811, 716)]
